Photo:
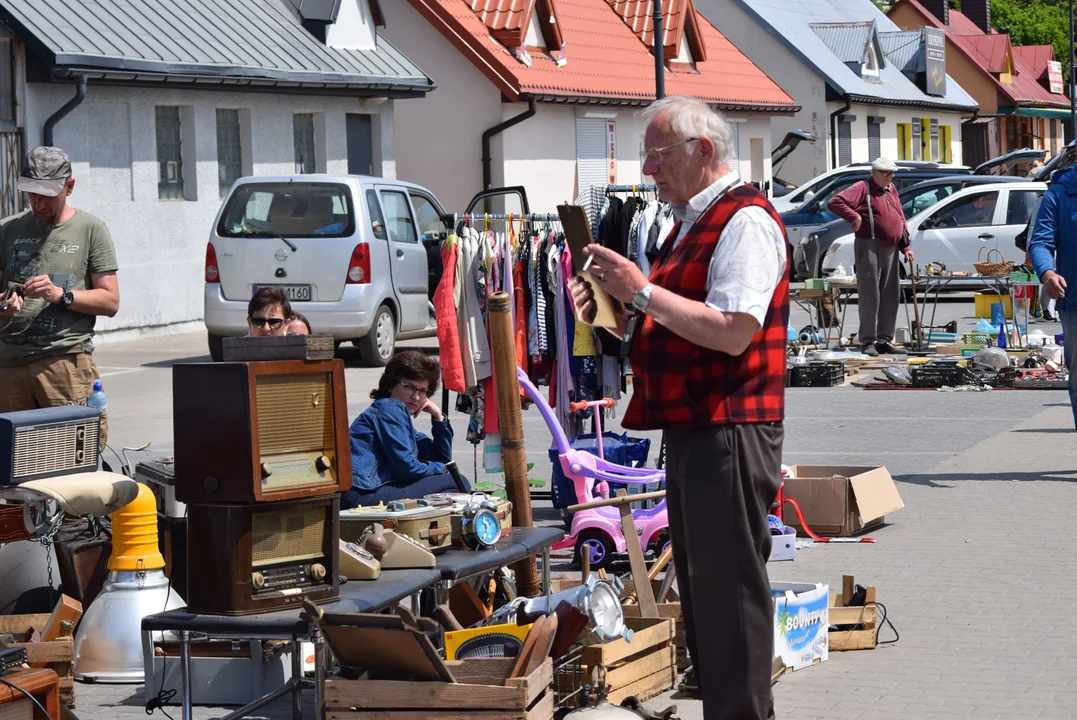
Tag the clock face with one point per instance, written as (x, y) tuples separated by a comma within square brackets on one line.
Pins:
[(487, 527)]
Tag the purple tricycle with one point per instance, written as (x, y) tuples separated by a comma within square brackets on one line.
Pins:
[(598, 530)]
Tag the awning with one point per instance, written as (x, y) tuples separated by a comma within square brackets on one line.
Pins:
[(1055, 113)]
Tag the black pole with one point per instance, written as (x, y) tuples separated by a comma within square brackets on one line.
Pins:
[(1073, 96), (659, 52)]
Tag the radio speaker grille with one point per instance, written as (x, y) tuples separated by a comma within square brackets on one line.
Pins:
[(288, 536), (40, 450), (295, 413)]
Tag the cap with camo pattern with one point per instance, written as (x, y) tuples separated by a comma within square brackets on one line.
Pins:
[(45, 171)]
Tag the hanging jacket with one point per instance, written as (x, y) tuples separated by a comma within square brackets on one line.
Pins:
[(449, 351), (679, 384)]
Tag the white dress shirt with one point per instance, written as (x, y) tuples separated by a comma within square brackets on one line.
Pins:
[(749, 259)]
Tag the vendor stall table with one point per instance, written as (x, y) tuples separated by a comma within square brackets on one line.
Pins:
[(391, 587)]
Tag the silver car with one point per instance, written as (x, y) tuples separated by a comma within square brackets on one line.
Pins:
[(360, 257)]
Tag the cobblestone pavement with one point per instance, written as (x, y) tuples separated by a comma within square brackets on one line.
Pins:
[(971, 571)]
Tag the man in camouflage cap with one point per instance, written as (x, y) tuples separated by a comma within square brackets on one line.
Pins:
[(57, 274)]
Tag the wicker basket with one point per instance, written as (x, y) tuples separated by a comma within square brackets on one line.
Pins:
[(991, 268)]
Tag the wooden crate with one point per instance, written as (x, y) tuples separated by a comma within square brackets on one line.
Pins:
[(864, 615), (667, 611), (643, 668), (481, 692), (57, 655)]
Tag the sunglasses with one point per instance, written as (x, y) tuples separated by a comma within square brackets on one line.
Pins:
[(262, 322)]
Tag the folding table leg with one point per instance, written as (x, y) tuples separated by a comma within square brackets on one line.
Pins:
[(185, 672), (297, 673), (319, 673)]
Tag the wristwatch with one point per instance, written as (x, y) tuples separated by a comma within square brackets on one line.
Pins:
[(642, 298), (66, 299)]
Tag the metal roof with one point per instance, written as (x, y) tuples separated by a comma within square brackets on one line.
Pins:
[(790, 23), (849, 41), (904, 49), (238, 41)]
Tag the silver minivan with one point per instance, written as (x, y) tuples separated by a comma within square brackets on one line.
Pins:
[(358, 256)]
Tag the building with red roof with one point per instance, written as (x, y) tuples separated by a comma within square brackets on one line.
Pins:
[(546, 93), (1019, 89)]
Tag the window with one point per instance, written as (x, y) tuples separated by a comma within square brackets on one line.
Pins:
[(973, 211), (429, 218), (904, 138), (295, 210), (1054, 137), (946, 151), (1019, 211), (875, 148), (401, 226), (871, 67), (377, 222), (845, 142), (169, 152), (592, 152), (306, 161), (7, 81), (922, 200), (734, 127), (229, 150)]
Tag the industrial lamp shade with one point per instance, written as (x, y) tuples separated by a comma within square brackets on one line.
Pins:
[(108, 642)]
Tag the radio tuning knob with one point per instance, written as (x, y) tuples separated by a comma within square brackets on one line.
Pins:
[(257, 580), (317, 571), (267, 469), (322, 463)]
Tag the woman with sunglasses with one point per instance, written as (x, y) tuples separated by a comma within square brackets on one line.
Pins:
[(267, 312), (391, 460)]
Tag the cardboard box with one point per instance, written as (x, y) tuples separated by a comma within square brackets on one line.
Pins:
[(783, 547), (801, 623), (840, 501)]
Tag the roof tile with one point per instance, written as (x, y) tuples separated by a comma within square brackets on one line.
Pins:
[(605, 58)]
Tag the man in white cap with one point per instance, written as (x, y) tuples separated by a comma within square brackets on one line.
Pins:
[(57, 274), (873, 210)]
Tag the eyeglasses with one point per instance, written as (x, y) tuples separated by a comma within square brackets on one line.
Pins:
[(263, 321), (661, 154), (414, 391)]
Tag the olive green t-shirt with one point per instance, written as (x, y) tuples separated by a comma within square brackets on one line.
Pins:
[(72, 251)]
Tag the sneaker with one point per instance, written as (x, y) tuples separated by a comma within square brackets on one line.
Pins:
[(887, 348), (869, 350), (1049, 316), (689, 686)]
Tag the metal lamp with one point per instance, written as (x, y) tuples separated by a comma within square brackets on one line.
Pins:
[(108, 642)]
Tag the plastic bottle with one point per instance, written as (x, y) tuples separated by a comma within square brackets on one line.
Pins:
[(97, 398)]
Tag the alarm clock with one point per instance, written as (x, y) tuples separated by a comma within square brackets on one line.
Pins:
[(479, 525)]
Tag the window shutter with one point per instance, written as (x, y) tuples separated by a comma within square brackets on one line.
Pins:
[(875, 148), (845, 143), (591, 153), (735, 158)]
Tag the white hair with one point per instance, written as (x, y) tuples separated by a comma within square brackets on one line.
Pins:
[(690, 117)]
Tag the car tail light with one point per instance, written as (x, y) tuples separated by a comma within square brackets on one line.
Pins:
[(359, 267), (212, 275)]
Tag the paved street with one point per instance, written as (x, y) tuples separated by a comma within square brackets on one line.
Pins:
[(970, 571)]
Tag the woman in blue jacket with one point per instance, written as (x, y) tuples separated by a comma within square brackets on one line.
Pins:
[(391, 460)]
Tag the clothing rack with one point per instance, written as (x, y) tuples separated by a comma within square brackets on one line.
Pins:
[(631, 188), (533, 217)]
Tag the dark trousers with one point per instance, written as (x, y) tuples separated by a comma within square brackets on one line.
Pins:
[(878, 289), (720, 484), (401, 491)]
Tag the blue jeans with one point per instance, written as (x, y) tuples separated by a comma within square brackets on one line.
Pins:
[(405, 491), (1069, 352)]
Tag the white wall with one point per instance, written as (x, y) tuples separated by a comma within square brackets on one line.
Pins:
[(161, 244), (888, 134), (440, 135)]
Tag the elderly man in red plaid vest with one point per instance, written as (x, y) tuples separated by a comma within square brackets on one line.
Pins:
[(707, 333)]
